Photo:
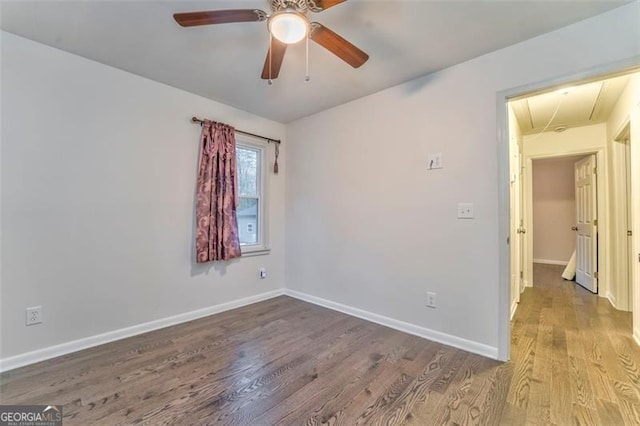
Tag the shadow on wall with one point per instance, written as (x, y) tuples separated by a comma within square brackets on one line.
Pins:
[(205, 268), (415, 86)]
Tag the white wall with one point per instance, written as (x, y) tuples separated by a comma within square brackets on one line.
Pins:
[(369, 226), (554, 209), (621, 112), (98, 175), (575, 139)]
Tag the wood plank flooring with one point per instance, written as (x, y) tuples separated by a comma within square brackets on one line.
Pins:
[(287, 362), (574, 359)]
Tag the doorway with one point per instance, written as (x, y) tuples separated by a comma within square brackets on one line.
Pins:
[(555, 205), (552, 129)]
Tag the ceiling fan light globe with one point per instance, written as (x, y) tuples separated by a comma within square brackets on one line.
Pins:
[(288, 26)]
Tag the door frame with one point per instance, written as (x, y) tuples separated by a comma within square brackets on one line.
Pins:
[(502, 128), (620, 265), (602, 209), (516, 238)]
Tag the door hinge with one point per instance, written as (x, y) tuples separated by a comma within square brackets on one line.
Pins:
[(595, 222), (595, 170), (629, 233), (521, 274), (595, 275)]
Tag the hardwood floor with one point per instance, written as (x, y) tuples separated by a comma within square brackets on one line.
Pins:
[(574, 360), (284, 361)]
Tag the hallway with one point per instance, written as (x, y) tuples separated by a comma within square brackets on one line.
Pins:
[(574, 359)]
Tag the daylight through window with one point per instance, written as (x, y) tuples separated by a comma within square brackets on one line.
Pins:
[(249, 211)]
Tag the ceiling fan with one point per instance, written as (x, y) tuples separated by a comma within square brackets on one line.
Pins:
[(287, 24)]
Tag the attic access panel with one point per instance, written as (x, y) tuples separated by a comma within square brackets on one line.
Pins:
[(582, 101)]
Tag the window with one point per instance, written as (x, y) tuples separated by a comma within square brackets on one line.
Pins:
[(250, 212)]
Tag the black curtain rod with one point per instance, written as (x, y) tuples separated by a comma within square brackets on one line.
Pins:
[(197, 120)]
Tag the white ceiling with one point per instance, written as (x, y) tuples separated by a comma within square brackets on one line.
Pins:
[(574, 106), (405, 40)]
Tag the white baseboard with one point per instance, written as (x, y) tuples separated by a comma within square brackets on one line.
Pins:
[(436, 336), (551, 262), (611, 299), (514, 306), (77, 345), (636, 335), (43, 354)]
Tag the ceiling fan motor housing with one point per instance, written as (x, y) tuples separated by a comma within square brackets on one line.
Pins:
[(297, 5)]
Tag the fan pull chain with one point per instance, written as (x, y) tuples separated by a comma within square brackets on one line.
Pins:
[(270, 81), (306, 77)]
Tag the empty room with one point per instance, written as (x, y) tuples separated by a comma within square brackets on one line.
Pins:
[(302, 212)]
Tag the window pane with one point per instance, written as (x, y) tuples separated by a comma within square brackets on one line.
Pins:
[(247, 214), (247, 171)]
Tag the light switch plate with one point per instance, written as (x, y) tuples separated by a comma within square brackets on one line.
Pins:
[(435, 161), (465, 211)]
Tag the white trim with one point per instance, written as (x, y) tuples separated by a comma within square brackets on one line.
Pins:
[(551, 262), (514, 306), (256, 144), (77, 345), (261, 252), (416, 330), (636, 336), (621, 253), (611, 299)]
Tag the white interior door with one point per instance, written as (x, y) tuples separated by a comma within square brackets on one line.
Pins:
[(586, 224)]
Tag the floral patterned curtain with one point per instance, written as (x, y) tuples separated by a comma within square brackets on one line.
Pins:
[(217, 195)]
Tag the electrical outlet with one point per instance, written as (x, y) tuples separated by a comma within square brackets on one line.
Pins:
[(34, 315), (263, 273), (431, 299), (465, 211)]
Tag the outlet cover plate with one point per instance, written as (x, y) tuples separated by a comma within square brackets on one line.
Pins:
[(431, 299), (465, 211), (34, 315)]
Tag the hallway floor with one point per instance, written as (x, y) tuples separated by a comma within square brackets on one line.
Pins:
[(574, 359)]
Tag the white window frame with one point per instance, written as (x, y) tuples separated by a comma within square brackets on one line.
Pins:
[(262, 247)]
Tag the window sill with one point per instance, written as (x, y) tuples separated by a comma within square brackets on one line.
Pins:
[(256, 252)]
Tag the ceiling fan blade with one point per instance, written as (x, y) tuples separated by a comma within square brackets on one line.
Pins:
[(192, 19), (275, 56), (320, 5), (337, 45)]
